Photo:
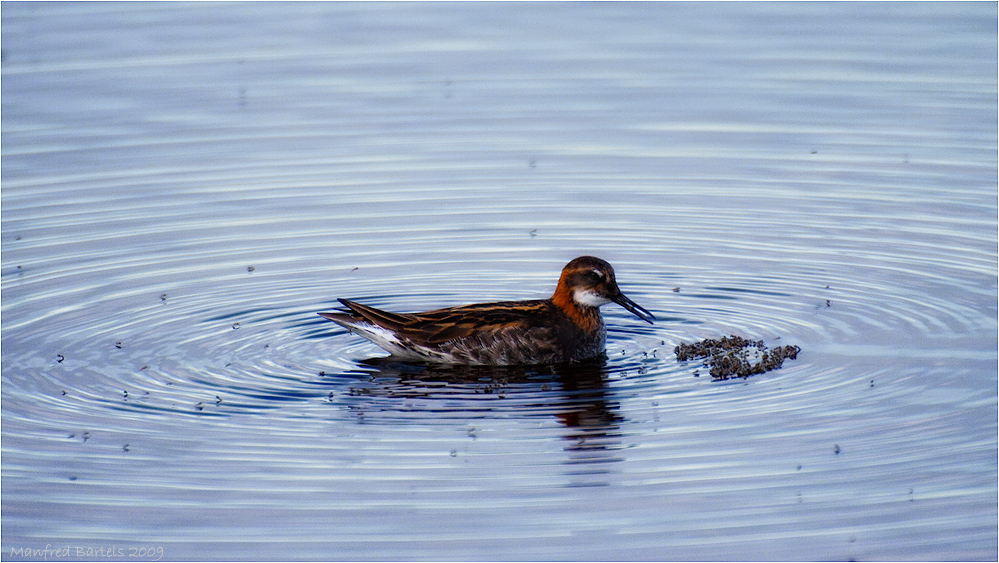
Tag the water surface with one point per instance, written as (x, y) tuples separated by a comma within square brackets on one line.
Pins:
[(186, 185)]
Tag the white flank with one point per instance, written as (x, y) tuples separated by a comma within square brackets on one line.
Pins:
[(384, 338), (389, 341), (589, 298)]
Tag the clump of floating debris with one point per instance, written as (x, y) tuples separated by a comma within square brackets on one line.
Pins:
[(734, 356)]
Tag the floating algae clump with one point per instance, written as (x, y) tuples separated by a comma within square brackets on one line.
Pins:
[(734, 356)]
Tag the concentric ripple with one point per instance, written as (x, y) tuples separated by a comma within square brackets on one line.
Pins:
[(186, 186)]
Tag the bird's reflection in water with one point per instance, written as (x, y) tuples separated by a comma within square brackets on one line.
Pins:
[(592, 420), (574, 394)]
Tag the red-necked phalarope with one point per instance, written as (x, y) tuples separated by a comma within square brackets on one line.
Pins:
[(564, 328)]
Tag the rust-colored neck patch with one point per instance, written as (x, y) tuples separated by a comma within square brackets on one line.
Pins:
[(586, 318)]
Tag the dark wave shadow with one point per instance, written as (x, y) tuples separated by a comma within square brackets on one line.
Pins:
[(575, 393)]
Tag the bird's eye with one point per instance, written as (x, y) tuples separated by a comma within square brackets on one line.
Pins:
[(594, 275)]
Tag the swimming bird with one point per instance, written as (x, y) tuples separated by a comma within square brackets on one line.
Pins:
[(566, 327)]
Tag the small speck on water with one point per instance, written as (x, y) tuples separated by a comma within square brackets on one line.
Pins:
[(836, 449), (249, 269), (454, 453)]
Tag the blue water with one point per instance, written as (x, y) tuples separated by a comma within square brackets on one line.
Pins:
[(185, 185)]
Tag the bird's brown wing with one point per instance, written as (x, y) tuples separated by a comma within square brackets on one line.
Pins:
[(392, 321), (434, 327)]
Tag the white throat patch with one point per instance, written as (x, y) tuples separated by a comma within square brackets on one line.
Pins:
[(589, 298)]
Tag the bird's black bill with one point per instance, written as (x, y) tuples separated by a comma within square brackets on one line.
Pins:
[(634, 308)]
